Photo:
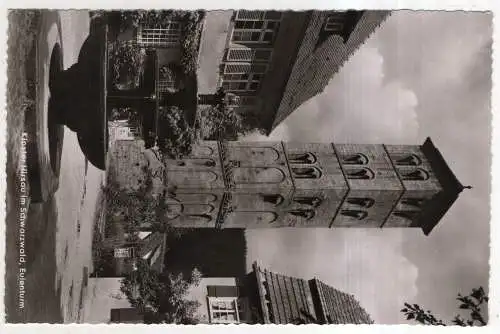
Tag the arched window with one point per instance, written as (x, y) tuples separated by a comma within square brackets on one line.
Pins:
[(255, 175), (364, 202), (314, 201), (411, 215), (191, 177), (360, 174), (303, 213), (357, 214), (355, 159), (275, 199), (200, 218), (248, 153), (196, 162), (195, 197), (416, 175), (195, 209), (306, 172), (416, 202), (249, 217), (409, 160), (173, 211), (302, 158)]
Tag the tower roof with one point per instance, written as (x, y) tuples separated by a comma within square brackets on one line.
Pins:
[(434, 211), (314, 66), (311, 301), (338, 307)]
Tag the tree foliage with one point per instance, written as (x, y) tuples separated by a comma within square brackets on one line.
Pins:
[(176, 137), (127, 63), (133, 208), (161, 297), (471, 303), (221, 121)]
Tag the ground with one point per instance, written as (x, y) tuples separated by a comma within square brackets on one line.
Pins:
[(59, 231)]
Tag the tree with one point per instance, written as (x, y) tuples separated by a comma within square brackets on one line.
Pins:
[(472, 303), (221, 121), (161, 297), (176, 137), (132, 208)]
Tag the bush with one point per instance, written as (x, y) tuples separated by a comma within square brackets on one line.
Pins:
[(176, 137), (191, 30), (127, 63), (161, 297), (135, 208)]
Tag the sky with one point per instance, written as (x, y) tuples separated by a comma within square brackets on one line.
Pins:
[(421, 74)]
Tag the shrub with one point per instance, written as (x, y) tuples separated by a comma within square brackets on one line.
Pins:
[(127, 63), (176, 137)]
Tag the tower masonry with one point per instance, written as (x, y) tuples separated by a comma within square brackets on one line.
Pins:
[(278, 184)]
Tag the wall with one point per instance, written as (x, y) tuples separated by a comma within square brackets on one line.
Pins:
[(414, 189), (199, 293), (315, 65), (212, 47), (103, 295), (287, 42), (127, 163)]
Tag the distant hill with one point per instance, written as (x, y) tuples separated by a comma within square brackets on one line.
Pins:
[(216, 253)]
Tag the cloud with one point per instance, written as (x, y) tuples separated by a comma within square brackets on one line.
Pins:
[(364, 262), (353, 108), (415, 77)]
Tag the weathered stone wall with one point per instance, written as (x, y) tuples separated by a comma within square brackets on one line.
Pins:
[(273, 184), (127, 164)]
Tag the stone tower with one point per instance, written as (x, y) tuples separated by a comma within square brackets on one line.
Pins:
[(276, 184)]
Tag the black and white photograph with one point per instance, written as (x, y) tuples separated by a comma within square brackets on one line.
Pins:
[(248, 166)]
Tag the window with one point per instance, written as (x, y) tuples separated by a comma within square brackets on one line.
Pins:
[(242, 101), (244, 68), (126, 252), (411, 215), (364, 202), (224, 310), (334, 23), (357, 214), (306, 172), (204, 162), (409, 160), (274, 199), (301, 158), (164, 85), (255, 26), (416, 202), (355, 159), (249, 36), (241, 82), (314, 201), (167, 36), (255, 175), (242, 76), (257, 15), (247, 54), (360, 174), (307, 214), (416, 175)]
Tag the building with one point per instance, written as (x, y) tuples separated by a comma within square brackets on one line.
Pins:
[(263, 297), (275, 61), (270, 298), (277, 184)]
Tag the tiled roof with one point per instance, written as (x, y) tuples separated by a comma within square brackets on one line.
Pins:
[(436, 208), (286, 299), (315, 63), (339, 307)]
